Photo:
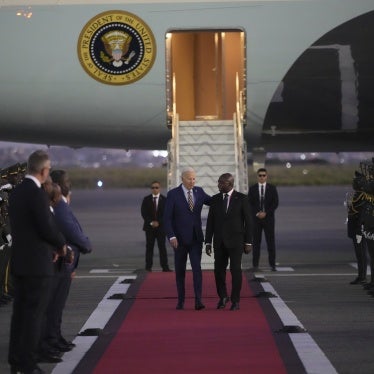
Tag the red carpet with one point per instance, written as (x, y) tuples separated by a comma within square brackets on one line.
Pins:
[(157, 338)]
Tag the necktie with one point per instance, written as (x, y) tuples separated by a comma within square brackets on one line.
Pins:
[(155, 208), (189, 200), (262, 198), (225, 201)]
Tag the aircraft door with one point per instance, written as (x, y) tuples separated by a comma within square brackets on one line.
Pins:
[(202, 67)]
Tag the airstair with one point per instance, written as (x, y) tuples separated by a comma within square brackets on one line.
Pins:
[(211, 147)]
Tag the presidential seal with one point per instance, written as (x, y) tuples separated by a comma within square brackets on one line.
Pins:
[(116, 47)]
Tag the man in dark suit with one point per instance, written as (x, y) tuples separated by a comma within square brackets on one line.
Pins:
[(183, 228), (229, 225), (79, 243), (152, 211), (35, 238), (263, 200)]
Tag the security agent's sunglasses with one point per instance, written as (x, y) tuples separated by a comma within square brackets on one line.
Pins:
[(155, 188), (261, 175)]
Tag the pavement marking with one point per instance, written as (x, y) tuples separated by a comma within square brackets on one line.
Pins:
[(354, 264), (97, 320), (274, 274), (71, 359), (279, 268), (110, 271), (311, 356), (313, 359)]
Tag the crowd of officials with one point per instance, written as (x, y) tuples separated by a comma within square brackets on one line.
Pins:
[(38, 227), (41, 241), (40, 245)]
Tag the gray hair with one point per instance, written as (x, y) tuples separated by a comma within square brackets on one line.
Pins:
[(37, 161), (187, 170)]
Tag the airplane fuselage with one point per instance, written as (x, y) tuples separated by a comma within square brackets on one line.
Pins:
[(52, 92)]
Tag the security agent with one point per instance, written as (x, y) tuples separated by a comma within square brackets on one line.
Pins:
[(152, 210), (263, 201)]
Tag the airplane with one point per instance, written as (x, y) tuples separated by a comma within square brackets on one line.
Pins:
[(113, 73)]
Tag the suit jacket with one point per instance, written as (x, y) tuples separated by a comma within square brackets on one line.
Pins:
[(179, 221), (148, 214), (270, 202), (232, 228), (34, 233), (72, 230)]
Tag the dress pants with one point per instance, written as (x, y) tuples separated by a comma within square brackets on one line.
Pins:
[(194, 251), (221, 258), (370, 247), (52, 324), (360, 252), (151, 236), (267, 226), (31, 296)]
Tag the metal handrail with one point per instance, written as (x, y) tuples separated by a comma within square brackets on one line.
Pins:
[(240, 148)]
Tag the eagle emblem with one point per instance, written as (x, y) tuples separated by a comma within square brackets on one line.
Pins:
[(117, 44)]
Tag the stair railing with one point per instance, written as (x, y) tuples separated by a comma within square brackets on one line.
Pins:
[(240, 144)]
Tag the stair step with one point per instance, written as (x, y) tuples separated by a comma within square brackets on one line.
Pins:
[(217, 132), (206, 123), (206, 142)]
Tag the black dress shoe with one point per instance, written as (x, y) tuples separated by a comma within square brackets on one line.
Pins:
[(180, 305), (51, 352), (273, 268), (199, 305), (368, 286), (36, 370), (166, 270), (62, 340), (234, 306), (358, 281), (48, 358), (222, 303), (59, 347)]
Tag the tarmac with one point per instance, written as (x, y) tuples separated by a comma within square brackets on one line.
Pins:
[(315, 261)]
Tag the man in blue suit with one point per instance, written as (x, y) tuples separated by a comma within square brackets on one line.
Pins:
[(76, 239), (183, 228)]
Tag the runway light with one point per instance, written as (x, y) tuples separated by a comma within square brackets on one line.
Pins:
[(27, 13), (99, 184), (288, 165)]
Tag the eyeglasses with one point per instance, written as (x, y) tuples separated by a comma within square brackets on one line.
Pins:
[(262, 175), (155, 188)]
